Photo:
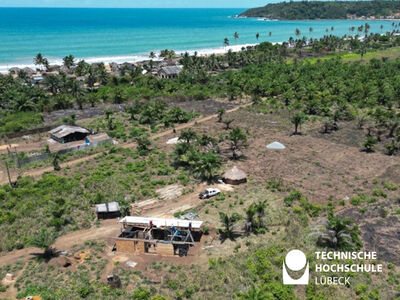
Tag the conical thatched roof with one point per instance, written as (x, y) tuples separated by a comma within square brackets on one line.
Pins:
[(235, 174)]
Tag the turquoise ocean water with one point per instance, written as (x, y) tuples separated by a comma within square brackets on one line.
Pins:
[(130, 34)]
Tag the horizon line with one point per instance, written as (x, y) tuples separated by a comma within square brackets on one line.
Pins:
[(95, 7)]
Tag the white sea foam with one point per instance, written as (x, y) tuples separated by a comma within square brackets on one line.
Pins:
[(4, 68)]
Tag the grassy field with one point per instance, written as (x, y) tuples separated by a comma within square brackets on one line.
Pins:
[(390, 53)]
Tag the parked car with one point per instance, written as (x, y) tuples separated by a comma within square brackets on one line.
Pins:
[(210, 192)]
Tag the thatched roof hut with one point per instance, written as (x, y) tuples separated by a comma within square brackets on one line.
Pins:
[(235, 176)]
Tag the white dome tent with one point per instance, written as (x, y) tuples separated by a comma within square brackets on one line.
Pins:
[(276, 146)]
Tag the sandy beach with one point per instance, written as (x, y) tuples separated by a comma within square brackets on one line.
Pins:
[(4, 68)]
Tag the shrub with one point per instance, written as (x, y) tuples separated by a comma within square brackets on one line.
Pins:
[(293, 196)]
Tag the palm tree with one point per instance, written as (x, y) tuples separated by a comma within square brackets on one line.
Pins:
[(270, 33), (340, 234), (297, 32), (152, 55), (367, 28), (52, 84), (227, 123), (236, 36), (381, 27), (207, 165), (250, 218), (369, 144), (143, 144), (257, 36), (228, 222), (69, 61), (102, 74), (392, 147), (297, 120), (226, 42), (78, 92), (221, 112), (188, 136), (39, 60), (56, 164), (108, 113), (260, 209), (310, 30), (362, 50), (91, 79), (238, 140), (134, 109)]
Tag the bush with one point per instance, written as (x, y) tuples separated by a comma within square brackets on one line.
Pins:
[(19, 121), (293, 196)]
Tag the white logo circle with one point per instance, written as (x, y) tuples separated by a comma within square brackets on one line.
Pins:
[(295, 260)]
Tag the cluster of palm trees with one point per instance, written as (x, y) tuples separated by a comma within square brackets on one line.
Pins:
[(254, 220), (236, 37), (201, 155), (198, 154), (339, 233)]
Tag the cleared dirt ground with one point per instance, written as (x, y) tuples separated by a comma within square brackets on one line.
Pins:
[(322, 166)]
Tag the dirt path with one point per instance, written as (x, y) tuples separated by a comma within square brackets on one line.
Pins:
[(38, 172), (107, 230), (23, 254)]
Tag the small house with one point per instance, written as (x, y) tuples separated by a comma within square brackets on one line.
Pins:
[(108, 210), (127, 66), (68, 133), (114, 67), (169, 72), (235, 176), (14, 70), (28, 71), (37, 79)]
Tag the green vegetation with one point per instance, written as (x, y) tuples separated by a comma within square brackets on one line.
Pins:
[(198, 154), (257, 223), (18, 121), (309, 10), (63, 203)]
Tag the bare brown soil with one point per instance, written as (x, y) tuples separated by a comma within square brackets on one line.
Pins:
[(40, 171), (322, 166)]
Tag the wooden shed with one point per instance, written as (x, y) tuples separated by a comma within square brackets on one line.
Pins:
[(108, 210), (68, 133)]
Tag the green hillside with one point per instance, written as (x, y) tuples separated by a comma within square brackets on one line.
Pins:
[(324, 10)]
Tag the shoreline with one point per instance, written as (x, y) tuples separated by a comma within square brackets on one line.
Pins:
[(347, 19), (134, 58)]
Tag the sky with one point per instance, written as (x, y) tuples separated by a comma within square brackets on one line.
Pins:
[(137, 3)]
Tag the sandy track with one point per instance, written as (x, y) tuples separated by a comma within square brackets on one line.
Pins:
[(107, 231), (38, 172)]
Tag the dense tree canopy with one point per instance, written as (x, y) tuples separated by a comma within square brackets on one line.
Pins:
[(308, 10)]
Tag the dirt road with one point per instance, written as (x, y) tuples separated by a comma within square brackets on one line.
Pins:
[(107, 230), (38, 172)]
